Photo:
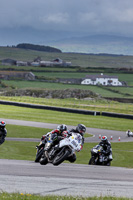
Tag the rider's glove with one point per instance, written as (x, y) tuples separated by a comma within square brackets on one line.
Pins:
[(43, 137), (55, 131)]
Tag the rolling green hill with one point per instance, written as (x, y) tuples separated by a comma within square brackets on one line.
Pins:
[(77, 59), (82, 64)]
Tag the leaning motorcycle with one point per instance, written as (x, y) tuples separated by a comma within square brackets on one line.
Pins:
[(58, 153), (129, 133), (98, 157)]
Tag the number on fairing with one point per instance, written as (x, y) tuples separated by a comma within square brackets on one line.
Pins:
[(74, 143)]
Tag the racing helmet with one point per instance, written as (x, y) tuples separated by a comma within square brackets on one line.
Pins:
[(2, 123), (104, 139), (62, 127), (81, 129)]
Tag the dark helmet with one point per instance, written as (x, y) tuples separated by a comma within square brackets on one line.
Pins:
[(104, 139), (62, 127), (81, 129)]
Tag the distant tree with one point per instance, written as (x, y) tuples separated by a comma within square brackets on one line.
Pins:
[(38, 47)]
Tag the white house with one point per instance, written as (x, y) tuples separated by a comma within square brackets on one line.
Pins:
[(101, 79)]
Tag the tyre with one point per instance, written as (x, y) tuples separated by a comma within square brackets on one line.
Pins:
[(38, 155), (92, 161), (43, 160), (72, 158), (61, 157)]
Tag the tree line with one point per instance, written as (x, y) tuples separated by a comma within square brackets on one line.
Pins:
[(38, 47)]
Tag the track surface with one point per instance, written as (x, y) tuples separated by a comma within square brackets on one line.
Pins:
[(66, 179)]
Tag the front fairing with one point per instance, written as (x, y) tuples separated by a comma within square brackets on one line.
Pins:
[(73, 142)]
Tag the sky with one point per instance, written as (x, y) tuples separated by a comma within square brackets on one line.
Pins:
[(86, 16), (77, 17)]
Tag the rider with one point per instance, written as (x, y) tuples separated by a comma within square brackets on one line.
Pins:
[(60, 131), (107, 150), (129, 133), (81, 129), (3, 132)]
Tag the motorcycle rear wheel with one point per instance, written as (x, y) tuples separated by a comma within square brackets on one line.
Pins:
[(59, 159)]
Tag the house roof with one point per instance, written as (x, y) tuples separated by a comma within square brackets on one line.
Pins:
[(93, 77), (8, 60)]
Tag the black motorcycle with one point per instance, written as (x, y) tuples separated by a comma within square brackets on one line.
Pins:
[(98, 156)]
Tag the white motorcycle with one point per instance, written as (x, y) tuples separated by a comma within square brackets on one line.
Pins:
[(58, 153), (129, 133)]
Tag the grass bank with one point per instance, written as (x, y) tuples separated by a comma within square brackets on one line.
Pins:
[(47, 116), (90, 104), (16, 196)]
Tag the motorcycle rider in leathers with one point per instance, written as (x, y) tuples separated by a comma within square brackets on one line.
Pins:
[(81, 129), (107, 150), (3, 132), (58, 132)]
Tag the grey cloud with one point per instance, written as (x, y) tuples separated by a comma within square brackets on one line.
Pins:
[(75, 15)]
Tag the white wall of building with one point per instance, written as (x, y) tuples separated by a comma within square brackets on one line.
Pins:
[(102, 81)]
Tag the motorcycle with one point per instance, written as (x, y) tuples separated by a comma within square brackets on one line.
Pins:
[(129, 133), (57, 152), (98, 157)]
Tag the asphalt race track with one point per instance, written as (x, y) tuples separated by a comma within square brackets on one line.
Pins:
[(66, 179)]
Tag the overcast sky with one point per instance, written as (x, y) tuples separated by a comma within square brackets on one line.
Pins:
[(86, 16)]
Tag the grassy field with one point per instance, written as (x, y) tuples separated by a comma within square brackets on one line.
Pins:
[(17, 196), (82, 60), (121, 76), (94, 105), (82, 64), (119, 92), (47, 116)]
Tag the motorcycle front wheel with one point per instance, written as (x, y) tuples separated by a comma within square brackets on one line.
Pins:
[(61, 157), (92, 161), (43, 160), (38, 154)]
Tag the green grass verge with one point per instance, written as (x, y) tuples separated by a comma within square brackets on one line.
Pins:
[(25, 131), (28, 132), (47, 116), (16, 196), (94, 104)]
